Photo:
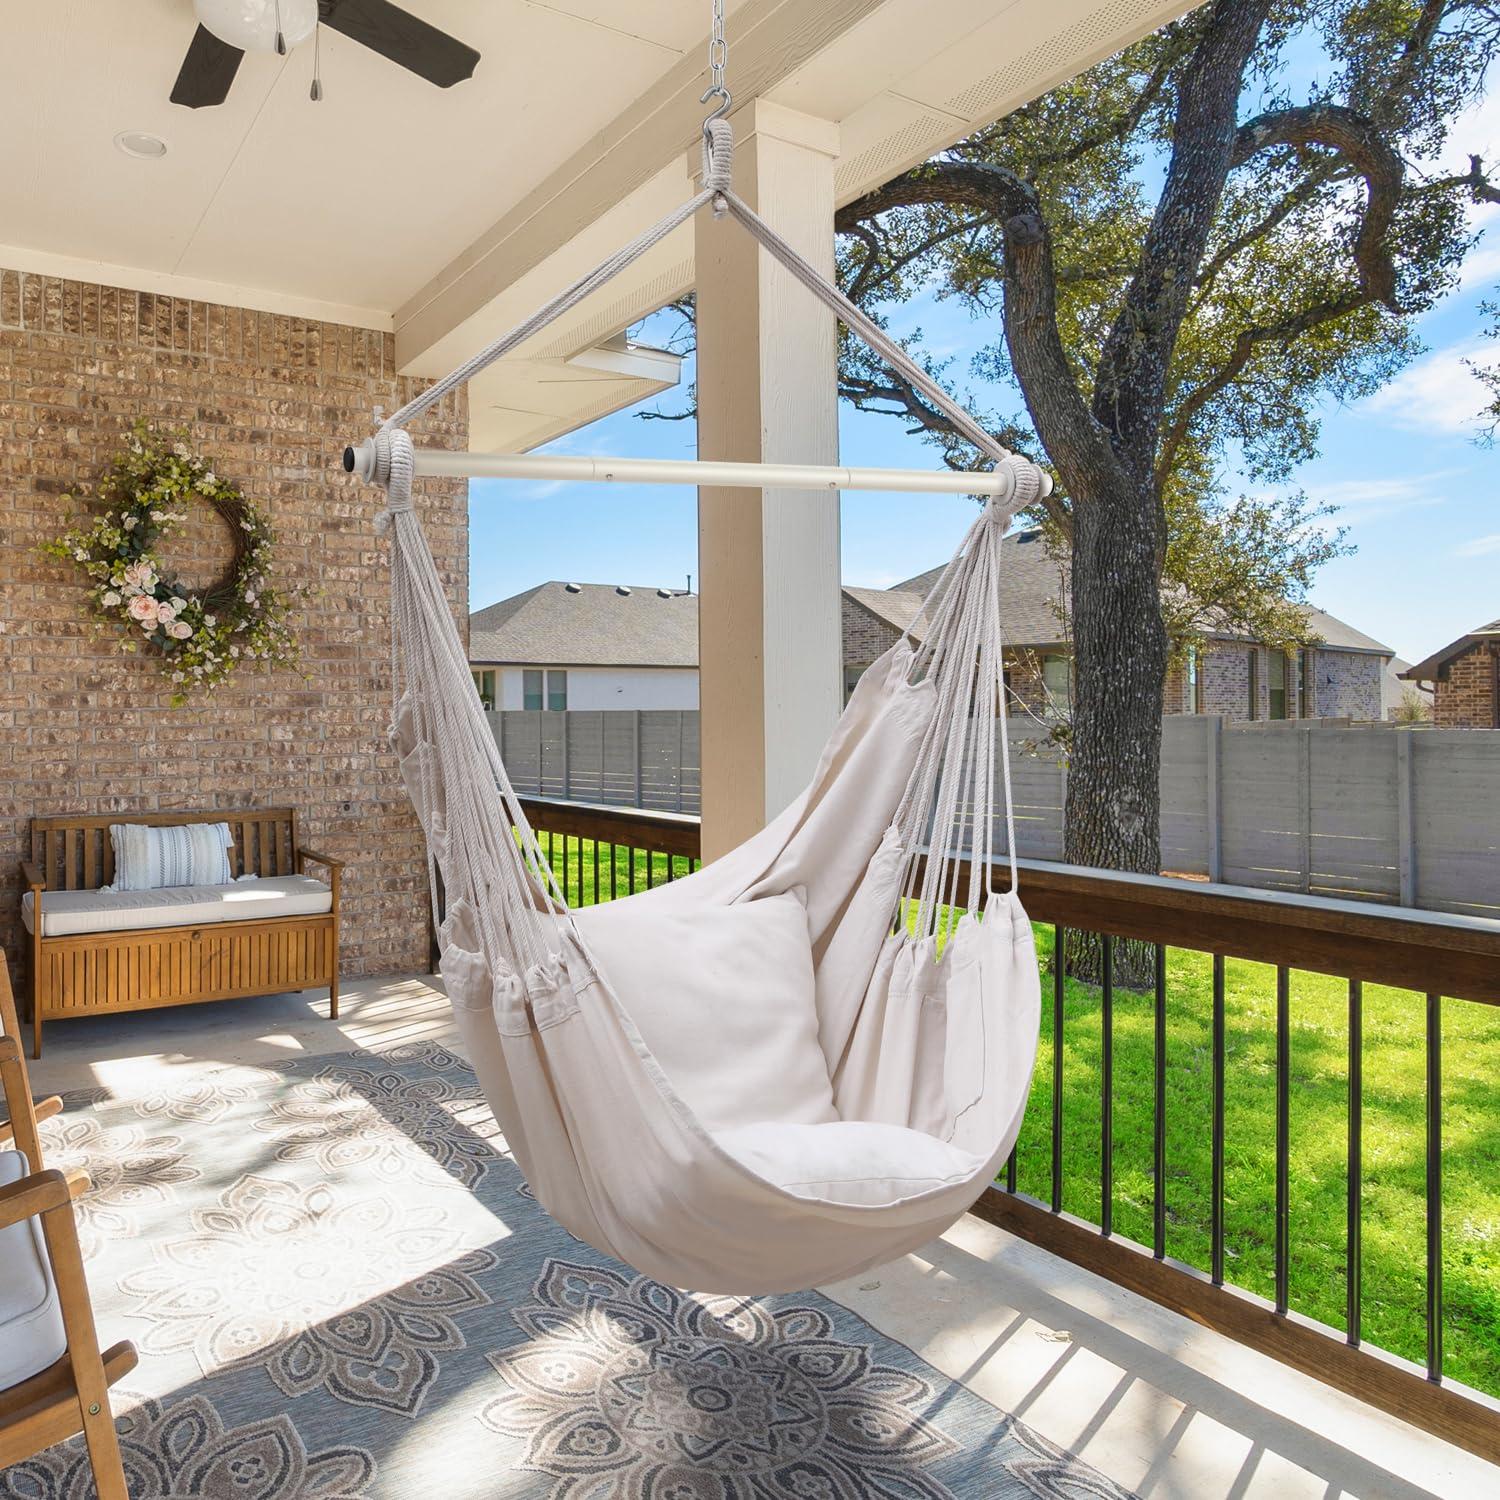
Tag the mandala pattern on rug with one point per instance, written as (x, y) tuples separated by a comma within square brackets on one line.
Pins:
[(181, 1450), (205, 1101), (129, 1172), (289, 1278), (352, 1117), (627, 1389)]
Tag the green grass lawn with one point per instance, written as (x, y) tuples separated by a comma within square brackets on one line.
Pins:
[(1394, 1255)]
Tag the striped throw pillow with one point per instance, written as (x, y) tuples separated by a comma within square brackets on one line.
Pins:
[(148, 858)]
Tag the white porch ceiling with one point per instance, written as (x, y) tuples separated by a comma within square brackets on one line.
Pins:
[(447, 214)]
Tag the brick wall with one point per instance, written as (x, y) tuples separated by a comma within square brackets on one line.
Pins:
[(1347, 685), (866, 636), (270, 399), (1464, 695)]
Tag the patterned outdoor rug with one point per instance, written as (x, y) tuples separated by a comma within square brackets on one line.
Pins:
[(341, 1289)]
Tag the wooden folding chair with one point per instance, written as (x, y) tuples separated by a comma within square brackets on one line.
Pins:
[(53, 1381)]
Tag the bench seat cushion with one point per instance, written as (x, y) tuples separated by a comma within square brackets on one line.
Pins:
[(31, 1326), (255, 899)]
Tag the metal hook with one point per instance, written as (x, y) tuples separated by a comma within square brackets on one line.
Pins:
[(726, 99)]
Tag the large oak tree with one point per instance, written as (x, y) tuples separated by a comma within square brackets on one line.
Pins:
[(1182, 255)]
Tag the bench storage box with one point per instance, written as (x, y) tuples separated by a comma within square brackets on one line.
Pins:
[(273, 928)]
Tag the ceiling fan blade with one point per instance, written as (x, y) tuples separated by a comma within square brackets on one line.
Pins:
[(402, 37), (206, 72)]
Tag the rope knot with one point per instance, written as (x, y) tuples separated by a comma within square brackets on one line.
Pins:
[(718, 156), (1026, 486), (395, 465)]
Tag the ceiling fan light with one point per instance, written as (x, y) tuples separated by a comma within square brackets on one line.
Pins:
[(253, 25)]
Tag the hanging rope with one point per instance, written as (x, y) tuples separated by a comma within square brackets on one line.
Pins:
[(949, 802)]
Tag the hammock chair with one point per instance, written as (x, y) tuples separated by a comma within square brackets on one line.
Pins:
[(812, 1055)]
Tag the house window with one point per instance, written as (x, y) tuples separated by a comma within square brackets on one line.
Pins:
[(484, 685), (547, 689), (1276, 685), (1254, 684), (851, 681), (1305, 684), (1057, 678), (1195, 680)]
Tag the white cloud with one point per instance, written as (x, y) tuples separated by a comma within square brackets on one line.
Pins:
[(1439, 393), (1365, 499), (1480, 546)]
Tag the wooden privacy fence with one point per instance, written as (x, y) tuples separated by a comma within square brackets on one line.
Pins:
[(1365, 811), (1369, 812), (644, 758)]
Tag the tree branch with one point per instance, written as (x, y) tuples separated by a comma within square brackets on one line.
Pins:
[(1358, 142), (1245, 345), (1074, 441)]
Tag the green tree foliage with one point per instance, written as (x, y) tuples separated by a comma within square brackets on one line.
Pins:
[(1278, 318)]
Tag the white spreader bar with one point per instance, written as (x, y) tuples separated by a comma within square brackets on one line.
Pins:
[(441, 463)]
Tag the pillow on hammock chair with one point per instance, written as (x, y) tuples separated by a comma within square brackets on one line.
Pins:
[(725, 999)]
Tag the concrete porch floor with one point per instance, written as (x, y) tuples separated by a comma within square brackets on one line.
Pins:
[(1163, 1406)]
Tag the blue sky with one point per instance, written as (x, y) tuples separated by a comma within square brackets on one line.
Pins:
[(1417, 493)]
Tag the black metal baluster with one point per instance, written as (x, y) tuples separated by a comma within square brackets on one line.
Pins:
[(1107, 1090), (1355, 1177), (596, 872), (1010, 1171), (671, 870), (614, 879), (1435, 1188), (1159, 1116), (1059, 942), (1216, 1187), (1283, 1131)]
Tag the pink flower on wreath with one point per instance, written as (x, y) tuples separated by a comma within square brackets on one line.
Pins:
[(179, 630), (139, 575), (144, 609)]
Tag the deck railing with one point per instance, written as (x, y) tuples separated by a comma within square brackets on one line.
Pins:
[(1441, 958)]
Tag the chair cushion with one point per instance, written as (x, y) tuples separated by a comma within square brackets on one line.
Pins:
[(252, 899), (725, 999), (848, 1161), (31, 1326)]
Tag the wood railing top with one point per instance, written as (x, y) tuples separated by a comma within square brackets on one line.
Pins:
[(1427, 951)]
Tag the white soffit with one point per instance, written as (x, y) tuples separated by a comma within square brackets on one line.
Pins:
[(906, 79)]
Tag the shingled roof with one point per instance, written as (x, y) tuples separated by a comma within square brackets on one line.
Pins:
[(1032, 580), (1428, 669), (587, 625)]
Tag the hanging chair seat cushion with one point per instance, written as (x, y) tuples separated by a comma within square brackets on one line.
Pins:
[(725, 1000), (853, 1162)]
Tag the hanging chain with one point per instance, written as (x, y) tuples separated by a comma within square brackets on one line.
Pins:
[(718, 59)]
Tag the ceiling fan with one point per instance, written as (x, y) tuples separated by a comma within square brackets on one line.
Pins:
[(227, 29)]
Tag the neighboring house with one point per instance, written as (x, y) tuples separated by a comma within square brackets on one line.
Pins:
[(1397, 692), (587, 645), (594, 646), (1340, 676), (1465, 678)]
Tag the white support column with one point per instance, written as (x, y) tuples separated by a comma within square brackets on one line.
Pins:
[(770, 654)]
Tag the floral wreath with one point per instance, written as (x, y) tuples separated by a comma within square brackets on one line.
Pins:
[(201, 637)]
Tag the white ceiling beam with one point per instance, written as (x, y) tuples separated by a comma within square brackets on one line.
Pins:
[(770, 39)]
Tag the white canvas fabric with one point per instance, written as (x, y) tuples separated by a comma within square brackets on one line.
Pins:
[(250, 899), (676, 1091), (148, 858), (724, 999), (31, 1326)]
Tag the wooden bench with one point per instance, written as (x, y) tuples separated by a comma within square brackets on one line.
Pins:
[(88, 973)]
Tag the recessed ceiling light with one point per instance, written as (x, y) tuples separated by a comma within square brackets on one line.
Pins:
[(139, 143)]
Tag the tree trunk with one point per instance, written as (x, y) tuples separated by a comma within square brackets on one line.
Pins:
[(1113, 814)]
